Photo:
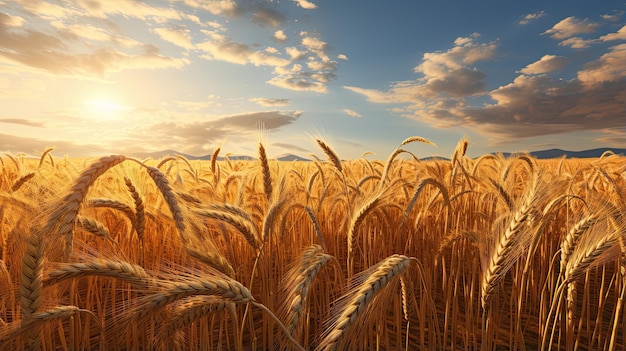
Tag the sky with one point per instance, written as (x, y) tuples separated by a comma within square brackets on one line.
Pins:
[(92, 77)]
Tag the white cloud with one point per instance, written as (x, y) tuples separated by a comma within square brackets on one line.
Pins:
[(578, 43), (619, 35), (299, 82), (270, 102), (448, 72), (47, 52), (533, 104), (280, 36), (570, 27), (177, 36), (227, 8), (613, 17), (306, 4), (322, 66), (446, 76), (316, 46), (351, 113), (46, 10), (342, 57), (313, 43), (136, 9), (239, 53), (610, 67), (531, 17), (10, 20), (547, 64), (295, 53), (266, 16)]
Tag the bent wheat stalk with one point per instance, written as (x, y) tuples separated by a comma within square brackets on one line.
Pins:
[(388, 270), (117, 269), (299, 279), (63, 218)]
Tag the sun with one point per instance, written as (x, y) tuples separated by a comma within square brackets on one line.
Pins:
[(103, 108)]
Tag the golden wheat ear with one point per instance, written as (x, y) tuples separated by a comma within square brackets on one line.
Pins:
[(367, 286), (297, 282)]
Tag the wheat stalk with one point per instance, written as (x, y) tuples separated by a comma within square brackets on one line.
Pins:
[(225, 288), (64, 216), (211, 259), (316, 227), (170, 198), (140, 214), (93, 226), (191, 310), (270, 218), (117, 269), (573, 237), (508, 242), (116, 205), (298, 280), (358, 300), (35, 322), (330, 153), (31, 285), (355, 221), (18, 183), (45, 153), (267, 177), (245, 226)]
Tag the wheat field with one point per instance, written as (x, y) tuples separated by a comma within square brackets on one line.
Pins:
[(491, 253)]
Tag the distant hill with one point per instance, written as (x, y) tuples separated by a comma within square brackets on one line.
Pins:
[(291, 157), (557, 153), (542, 154), (165, 153)]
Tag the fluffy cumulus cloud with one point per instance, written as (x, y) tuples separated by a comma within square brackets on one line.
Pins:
[(536, 102), (74, 41), (610, 67), (90, 39), (48, 53), (444, 74), (548, 63), (225, 49), (619, 35), (280, 35), (531, 17), (315, 73), (570, 27)]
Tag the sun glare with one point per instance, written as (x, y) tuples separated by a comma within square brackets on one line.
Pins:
[(104, 109)]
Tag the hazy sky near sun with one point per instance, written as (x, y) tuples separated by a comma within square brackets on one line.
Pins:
[(123, 76)]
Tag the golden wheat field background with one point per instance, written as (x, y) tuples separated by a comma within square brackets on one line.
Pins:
[(488, 253)]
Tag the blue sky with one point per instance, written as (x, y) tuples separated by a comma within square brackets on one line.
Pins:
[(122, 76)]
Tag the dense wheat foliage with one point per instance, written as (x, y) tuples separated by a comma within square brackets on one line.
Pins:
[(487, 253)]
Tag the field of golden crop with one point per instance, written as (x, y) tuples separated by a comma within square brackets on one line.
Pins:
[(171, 254)]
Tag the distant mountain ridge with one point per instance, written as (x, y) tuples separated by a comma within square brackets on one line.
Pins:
[(557, 153), (542, 154), (165, 153)]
